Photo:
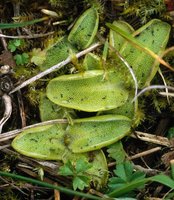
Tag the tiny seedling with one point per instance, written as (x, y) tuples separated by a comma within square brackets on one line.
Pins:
[(78, 172), (21, 59), (127, 179), (15, 45)]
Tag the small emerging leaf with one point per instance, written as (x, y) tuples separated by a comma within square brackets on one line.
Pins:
[(80, 182), (13, 44), (78, 172), (82, 166), (21, 59), (67, 169), (126, 180), (117, 152), (38, 56), (124, 171)]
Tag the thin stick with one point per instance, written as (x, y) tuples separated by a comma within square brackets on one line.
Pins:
[(152, 87), (8, 110), (4, 146), (55, 67), (167, 94), (148, 171), (151, 138), (144, 153)]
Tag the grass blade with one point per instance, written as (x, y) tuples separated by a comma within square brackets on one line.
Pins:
[(16, 25)]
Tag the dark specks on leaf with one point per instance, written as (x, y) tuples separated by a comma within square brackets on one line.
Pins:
[(66, 139), (33, 140), (52, 150), (70, 99), (142, 75)]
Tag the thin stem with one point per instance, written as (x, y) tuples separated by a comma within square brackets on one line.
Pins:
[(152, 87)]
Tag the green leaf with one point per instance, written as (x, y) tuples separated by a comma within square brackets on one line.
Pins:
[(115, 39), (127, 187), (38, 56), (67, 169), (118, 188), (105, 127), (85, 29), (137, 175), (25, 57), (117, 152), (12, 47), (115, 183), (43, 142), (82, 166), (124, 171), (58, 52), (163, 179), (13, 44), (93, 92), (18, 58), (17, 42), (143, 48), (80, 182), (126, 180), (21, 59)]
